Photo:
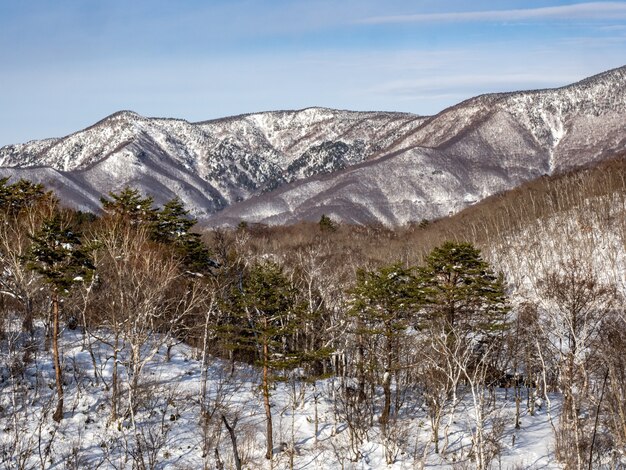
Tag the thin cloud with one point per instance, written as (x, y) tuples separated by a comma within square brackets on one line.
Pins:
[(594, 11), (472, 81), (596, 42)]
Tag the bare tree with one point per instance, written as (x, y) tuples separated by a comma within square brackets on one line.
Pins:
[(137, 278), (576, 303)]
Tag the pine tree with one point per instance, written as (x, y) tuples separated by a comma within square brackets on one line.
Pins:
[(266, 302), (58, 256), (16, 197), (172, 226), (463, 315), (129, 204), (172, 222), (461, 290), (383, 302), (326, 224), (23, 207)]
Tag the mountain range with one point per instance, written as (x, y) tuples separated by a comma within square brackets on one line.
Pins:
[(281, 167)]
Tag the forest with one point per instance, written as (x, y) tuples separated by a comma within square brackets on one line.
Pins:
[(438, 341)]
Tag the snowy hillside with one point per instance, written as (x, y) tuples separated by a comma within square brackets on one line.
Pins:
[(480, 147), (168, 431), (209, 164), (354, 166), (158, 367)]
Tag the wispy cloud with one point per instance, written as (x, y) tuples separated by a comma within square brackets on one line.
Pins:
[(461, 81), (594, 11), (594, 41), (615, 27)]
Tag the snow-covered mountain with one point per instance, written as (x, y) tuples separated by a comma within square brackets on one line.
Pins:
[(284, 166), (482, 146), (209, 164)]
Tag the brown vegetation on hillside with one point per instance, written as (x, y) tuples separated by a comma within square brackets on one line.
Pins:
[(522, 291)]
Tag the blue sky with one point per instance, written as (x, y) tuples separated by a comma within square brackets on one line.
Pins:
[(66, 64)]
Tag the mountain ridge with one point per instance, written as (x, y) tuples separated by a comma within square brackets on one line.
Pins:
[(364, 166)]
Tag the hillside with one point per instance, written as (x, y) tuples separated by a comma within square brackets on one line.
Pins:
[(360, 167), (209, 164), (480, 147), (152, 377)]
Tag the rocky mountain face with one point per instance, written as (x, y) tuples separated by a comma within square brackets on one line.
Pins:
[(285, 166), (209, 165), (477, 148)]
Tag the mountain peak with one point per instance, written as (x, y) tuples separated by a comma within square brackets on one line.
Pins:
[(358, 166)]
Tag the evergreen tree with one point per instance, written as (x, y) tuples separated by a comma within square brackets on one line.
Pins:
[(383, 301), (16, 197), (23, 207), (129, 204), (267, 305), (172, 226), (326, 224), (58, 256), (172, 222), (460, 289), (463, 310)]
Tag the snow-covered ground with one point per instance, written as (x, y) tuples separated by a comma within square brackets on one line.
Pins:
[(167, 430)]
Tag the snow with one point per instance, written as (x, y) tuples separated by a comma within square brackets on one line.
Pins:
[(169, 426), (398, 167)]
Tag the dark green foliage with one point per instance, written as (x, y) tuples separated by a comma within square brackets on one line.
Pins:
[(172, 222), (84, 218), (172, 226), (58, 255), (16, 197), (383, 302), (266, 304), (326, 224), (129, 204), (385, 298), (460, 289)]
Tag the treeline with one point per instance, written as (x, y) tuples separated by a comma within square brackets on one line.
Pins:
[(403, 320)]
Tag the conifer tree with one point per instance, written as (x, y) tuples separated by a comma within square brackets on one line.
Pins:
[(463, 314), (23, 207), (16, 197), (172, 226), (58, 256), (461, 290), (383, 302), (266, 302), (326, 224), (172, 222), (129, 204)]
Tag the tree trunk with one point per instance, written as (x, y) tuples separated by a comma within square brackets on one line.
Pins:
[(518, 399), (58, 414), (384, 417), (435, 425), (361, 368), (266, 402), (315, 414), (114, 382), (27, 324), (233, 439)]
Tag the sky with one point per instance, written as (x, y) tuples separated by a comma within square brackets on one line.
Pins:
[(65, 64)]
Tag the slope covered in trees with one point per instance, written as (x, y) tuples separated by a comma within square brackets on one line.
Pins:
[(358, 167), (441, 343)]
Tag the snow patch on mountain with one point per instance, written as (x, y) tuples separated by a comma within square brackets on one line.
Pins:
[(361, 166)]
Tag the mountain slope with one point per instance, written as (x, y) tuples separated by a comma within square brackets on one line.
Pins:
[(209, 164), (284, 166), (477, 148)]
